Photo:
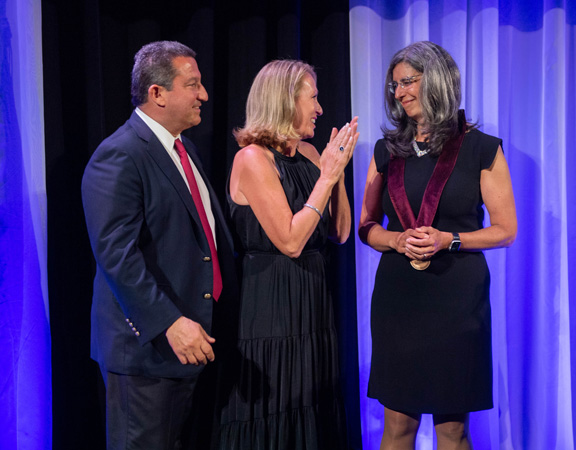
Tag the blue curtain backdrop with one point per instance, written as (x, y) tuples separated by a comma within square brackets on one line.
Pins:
[(25, 392), (518, 60)]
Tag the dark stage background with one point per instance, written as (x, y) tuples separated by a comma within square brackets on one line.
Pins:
[(88, 49)]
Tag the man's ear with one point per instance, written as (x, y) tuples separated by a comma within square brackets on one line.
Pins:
[(156, 94)]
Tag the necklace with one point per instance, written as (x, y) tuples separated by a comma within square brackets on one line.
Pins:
[(419, 153)]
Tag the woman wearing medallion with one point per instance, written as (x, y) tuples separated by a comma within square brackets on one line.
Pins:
[(285, 200), (430, 316)]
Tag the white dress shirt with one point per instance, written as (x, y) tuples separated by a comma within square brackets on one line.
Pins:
[(167, 140)]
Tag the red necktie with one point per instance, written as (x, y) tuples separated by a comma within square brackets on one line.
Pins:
[(203, 218)]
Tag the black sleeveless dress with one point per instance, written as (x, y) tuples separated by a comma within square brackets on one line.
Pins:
[(431, 331), (286, 393)]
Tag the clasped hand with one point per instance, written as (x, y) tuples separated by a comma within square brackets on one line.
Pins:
[(420, 243)]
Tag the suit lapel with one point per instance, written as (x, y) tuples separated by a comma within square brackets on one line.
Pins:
[(214, 202), (166, 165)]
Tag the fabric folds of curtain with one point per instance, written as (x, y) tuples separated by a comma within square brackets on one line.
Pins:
[(25, 388)]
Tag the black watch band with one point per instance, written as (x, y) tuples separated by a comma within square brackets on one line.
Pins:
[(455, 244)]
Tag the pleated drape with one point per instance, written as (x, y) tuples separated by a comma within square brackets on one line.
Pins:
[(25, 366)]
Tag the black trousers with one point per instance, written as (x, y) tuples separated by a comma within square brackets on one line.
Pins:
[(146, 413)]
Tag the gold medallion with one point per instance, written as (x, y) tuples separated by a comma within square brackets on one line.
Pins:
[(419, 265)]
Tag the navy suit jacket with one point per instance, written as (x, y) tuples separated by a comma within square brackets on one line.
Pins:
[(150, 251)]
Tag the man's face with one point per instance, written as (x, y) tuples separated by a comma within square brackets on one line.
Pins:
[(183, 102)]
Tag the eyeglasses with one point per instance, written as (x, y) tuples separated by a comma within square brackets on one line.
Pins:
[(404, 83)]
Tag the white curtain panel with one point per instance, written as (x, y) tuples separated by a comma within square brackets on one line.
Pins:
[(25, 365)]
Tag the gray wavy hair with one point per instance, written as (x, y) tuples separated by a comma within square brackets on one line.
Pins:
[(440, 97), (153, 65)]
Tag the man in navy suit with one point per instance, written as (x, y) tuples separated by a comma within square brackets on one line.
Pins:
[(158, 275)]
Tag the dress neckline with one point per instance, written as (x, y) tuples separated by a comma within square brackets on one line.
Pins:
[(284, 157)]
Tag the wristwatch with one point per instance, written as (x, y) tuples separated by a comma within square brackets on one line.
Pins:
[(455, 244)]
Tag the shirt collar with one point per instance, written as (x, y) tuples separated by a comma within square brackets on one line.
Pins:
[(163, 135)]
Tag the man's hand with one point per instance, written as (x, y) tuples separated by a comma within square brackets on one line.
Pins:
[(190, 342)]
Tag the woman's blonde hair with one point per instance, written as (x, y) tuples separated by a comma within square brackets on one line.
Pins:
[(271, 105)]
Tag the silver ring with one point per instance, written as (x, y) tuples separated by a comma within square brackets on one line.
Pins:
[(341, 148), (424, 255)]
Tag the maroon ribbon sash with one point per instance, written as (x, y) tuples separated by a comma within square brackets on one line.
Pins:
[(434, 188)]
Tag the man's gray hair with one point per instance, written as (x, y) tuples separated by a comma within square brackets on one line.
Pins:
[(153, 65)]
